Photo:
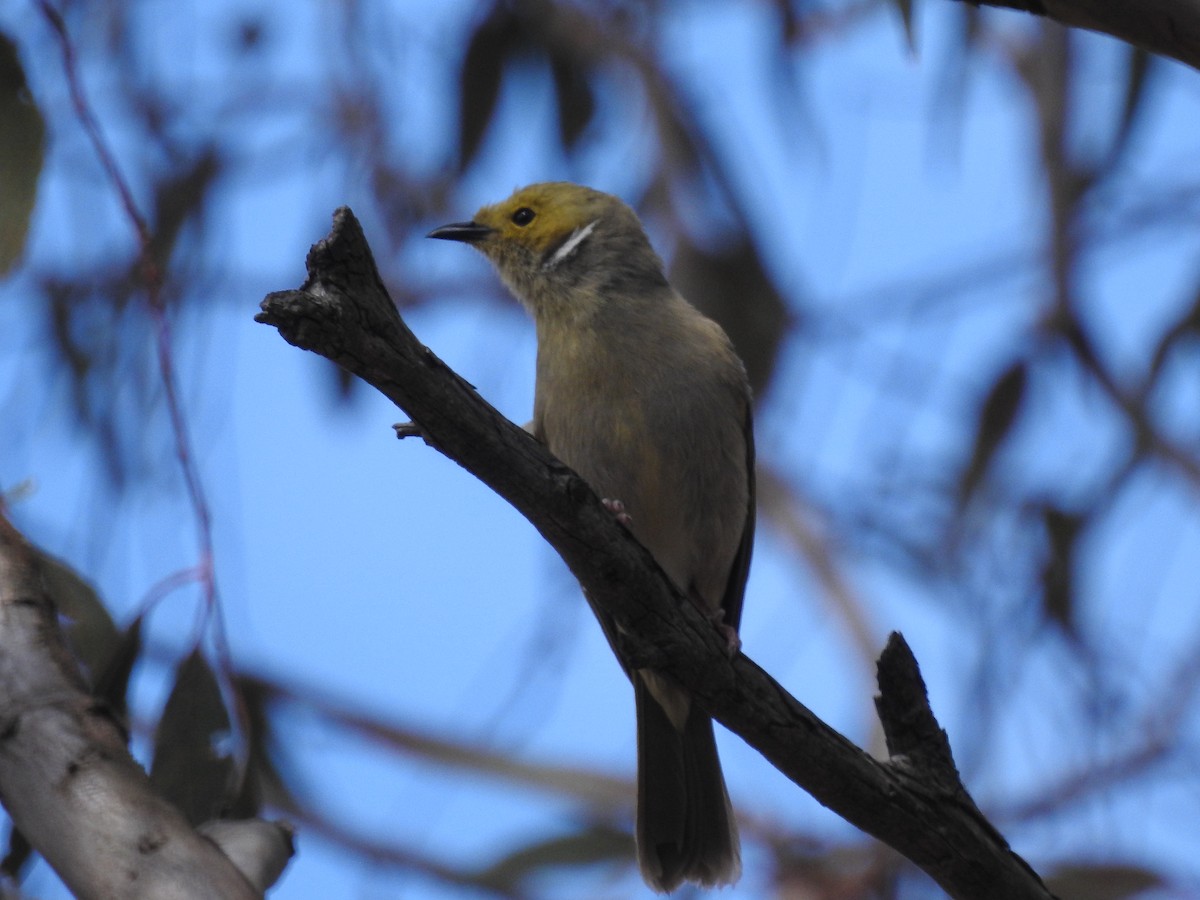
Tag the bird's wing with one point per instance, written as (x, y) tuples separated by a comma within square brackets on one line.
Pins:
[(735, 587)]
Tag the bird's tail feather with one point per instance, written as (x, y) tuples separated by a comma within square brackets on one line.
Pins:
[(685, 825)]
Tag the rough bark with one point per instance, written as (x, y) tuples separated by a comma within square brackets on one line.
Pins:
[(914, 802), (66, 777)]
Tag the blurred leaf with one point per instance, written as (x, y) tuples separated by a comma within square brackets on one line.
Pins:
[(1058, 591), (490, 48), (187, 768), (20, 853), (90, 630), (1047, 66), (250, 34), (732, 286), (973, 34), (112, 680), (1101, 882), (682, 152), (106, 654), (996, 419), (179, 198), (266, 782), (576, 103), (22, 151), (1141, 64), (1187, 324), (789, 20), (595, 844), (905, 8)]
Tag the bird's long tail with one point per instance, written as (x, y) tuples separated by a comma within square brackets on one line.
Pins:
[(685, 825)]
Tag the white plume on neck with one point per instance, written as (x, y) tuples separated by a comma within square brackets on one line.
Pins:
[(569, 246)]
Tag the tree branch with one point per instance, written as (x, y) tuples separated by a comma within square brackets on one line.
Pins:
[(70, 785), (1167, 27), (914, 802)]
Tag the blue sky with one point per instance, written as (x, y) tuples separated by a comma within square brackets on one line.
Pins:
[(378, 573)]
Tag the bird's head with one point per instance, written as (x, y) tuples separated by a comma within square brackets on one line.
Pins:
[(557, 245)]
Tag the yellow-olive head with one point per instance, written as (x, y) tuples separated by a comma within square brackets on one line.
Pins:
[(556, 242)]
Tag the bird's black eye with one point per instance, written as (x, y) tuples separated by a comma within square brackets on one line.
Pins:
[(523, 216)]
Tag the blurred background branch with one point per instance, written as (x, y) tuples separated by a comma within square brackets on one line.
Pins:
[(956, 246)]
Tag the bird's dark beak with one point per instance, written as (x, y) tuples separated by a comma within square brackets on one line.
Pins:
[(467, 232)]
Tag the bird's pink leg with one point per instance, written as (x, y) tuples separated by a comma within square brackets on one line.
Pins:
[(733, 643), (617, 508)]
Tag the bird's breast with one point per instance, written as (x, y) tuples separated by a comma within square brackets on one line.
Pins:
[(662, 437)]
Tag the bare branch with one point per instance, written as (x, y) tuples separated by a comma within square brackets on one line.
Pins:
[(914, 802)]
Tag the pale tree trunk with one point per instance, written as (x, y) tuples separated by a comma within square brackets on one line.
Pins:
[(70, 785)]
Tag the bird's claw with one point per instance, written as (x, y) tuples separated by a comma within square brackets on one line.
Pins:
[(733, 642), (617, 508)]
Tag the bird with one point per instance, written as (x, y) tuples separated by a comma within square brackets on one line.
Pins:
[(646, 399)]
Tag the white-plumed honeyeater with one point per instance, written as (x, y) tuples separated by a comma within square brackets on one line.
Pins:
[(645, 398)]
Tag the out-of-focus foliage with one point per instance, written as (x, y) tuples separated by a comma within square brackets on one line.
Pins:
[(1101, 882), (1003, 461), (22, 137), (190, 767)]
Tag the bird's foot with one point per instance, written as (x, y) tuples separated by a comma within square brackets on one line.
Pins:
[(617, 508), (733, 643)]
